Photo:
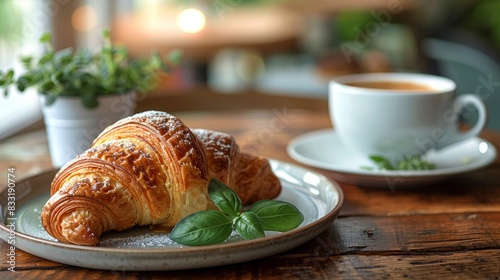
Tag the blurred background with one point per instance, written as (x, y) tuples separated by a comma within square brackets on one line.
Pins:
[(285, 47)]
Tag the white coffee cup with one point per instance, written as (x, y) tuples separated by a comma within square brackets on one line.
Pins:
[(419, 116)]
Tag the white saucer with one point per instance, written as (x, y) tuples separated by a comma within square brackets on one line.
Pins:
[(323, 149)]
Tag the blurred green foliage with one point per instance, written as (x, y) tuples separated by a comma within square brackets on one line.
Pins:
[(229, 2), (349, 22), (87, 74), (485, 17), (11, 20)]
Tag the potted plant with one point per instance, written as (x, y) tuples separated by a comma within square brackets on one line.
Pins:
[(82, 91)]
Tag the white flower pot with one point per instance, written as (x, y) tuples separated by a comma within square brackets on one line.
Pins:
[(71, 127)]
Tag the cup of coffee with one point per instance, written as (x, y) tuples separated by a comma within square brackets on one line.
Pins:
[(399, 114)]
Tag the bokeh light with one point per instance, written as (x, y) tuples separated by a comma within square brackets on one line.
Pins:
[(191, 20), (84, 18)]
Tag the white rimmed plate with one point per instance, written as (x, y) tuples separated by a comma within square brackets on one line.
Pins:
[(323, 149), (143, 249)]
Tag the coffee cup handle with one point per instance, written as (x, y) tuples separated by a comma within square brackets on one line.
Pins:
[(460, 102)]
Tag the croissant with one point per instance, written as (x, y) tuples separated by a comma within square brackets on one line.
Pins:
[(148, 169)]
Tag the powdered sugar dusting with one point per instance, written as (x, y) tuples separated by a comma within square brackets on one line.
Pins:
[(146, 240), (161, 120), (142, 238), (217, 142)]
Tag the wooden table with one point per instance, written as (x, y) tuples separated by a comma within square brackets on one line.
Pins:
[(448, 231)]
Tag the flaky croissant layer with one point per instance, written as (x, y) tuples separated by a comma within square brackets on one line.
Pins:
[(149, 169)]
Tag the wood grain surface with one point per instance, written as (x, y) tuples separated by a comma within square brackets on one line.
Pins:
[(447, 231)]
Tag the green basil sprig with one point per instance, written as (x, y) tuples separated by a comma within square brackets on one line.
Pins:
[(211, 227)]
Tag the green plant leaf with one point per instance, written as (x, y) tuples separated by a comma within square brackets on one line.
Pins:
[(411, 162), (382, 162), (248, 226), (6, 79), (46, 38), (26, 61), (9, 76), (225, 198), (50, 99), (414, 163), (22, 83), (202, 228), (105, 34), (46, 58), (89, 99), (64, 56), (277, 215)]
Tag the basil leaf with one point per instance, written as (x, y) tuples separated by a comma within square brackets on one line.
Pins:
[(225, 198), (202, 228), (249, 226), (277, 215)]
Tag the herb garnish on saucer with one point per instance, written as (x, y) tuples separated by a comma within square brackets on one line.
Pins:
[(412, 162)]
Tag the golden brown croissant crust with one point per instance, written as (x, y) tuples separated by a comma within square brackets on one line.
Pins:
[(149, 169)]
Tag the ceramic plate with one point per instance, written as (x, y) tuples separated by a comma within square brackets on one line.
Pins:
[(145, 249), (323, 149)]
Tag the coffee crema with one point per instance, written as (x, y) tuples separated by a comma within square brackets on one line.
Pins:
[(392, 85)]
